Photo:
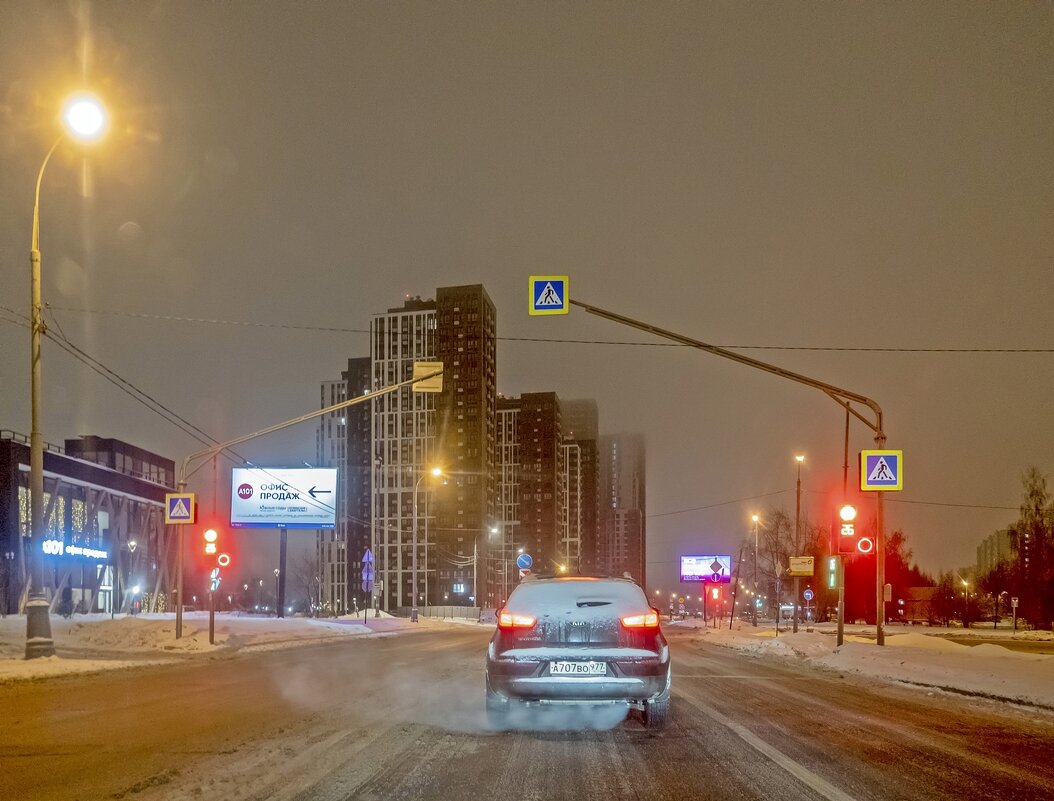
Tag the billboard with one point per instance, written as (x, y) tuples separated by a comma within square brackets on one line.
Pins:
[(280, 497), (717, 569)]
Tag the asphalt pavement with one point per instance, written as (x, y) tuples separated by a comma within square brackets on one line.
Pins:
[(400, 717)]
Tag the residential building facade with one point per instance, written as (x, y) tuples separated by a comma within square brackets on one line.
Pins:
[(622, 543)]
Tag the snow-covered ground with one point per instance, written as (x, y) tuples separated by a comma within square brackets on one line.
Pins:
[(910, 656), (86, 643), (919, 657)]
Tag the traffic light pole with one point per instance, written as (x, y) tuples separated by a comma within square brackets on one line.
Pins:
[(843, 397), (215, 449)]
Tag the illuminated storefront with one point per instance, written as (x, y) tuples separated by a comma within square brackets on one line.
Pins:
[(105, 533)]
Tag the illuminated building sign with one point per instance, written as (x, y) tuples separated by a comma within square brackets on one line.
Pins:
[(717, 569), (60, 548)]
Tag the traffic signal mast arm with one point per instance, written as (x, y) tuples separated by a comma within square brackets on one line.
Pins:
[(184, 475), (843, 397)]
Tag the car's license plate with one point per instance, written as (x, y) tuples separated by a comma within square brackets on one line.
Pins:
[(577, 669)]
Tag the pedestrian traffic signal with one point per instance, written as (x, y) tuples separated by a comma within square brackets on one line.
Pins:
[(211, 537), (849, 535)]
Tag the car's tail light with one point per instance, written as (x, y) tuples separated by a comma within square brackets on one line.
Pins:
[(515, 620), (645, 620)]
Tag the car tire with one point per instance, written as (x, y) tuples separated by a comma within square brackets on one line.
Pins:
[(657, 712)]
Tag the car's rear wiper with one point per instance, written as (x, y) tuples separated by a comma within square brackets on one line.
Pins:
[(593, 603)]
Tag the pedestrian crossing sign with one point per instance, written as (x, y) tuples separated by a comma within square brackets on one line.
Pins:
[(881, 470), (180, 508), (549, 295)]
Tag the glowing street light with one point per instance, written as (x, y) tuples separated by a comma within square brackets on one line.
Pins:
[(85, 117), (85, 120)]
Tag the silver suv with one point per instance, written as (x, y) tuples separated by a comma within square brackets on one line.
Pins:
[(578, 640)]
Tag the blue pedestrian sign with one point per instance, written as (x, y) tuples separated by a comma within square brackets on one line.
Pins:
[(524, 561), (549, 294), (180, 508), (367, 571), (881, 470)]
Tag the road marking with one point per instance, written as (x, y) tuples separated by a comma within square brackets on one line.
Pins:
[(796, 769)]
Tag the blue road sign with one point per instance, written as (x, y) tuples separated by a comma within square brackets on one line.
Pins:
[(524, 561), (180, 508), (807, 595), (549, 295), (881, 470)]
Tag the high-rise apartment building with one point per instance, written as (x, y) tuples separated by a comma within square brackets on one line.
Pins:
[(623, 536), (411, 432), (531, 433), (580, 420), (466, 511), (343, 442)]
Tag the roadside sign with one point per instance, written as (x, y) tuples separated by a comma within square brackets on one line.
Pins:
[(524, 561), (524, 572), (800, 566), (1013, 603), (882, 470), (180, 508), (807, 595), (278, 497), (549, 295), (433, 384), (717, 569)]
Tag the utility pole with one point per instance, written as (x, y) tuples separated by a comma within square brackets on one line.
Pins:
[(797, 538)]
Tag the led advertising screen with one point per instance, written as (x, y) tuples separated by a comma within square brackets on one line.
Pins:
[(281, 497), (716, 569)]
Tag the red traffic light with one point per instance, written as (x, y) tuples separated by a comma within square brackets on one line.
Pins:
[(846, 533)]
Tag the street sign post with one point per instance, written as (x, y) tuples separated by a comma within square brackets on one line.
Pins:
[(367, 578), (524, 561)]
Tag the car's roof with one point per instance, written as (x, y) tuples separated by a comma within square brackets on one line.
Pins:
[(556, 578)]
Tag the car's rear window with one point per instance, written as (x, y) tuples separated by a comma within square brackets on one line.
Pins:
[(580, 595)]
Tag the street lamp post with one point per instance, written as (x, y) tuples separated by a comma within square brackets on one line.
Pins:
[(797, 537), (435, 471), (85, 120), (754, 602)]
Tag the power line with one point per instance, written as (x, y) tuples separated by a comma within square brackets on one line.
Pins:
[(338, 330), (715, 505), (137, 394)]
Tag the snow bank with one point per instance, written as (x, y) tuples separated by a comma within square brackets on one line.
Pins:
[(927, 660), (87, 643)]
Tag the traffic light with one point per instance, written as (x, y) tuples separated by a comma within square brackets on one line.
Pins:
[(214, 557), (850, 538)]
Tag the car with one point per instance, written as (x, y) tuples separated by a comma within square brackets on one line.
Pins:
[(578, 640)]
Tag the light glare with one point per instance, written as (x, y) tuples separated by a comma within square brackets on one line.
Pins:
[(85, 117)]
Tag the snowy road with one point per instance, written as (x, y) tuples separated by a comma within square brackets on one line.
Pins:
[(400, 718)]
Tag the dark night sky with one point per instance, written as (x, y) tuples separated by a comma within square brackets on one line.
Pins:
[(826, 175)]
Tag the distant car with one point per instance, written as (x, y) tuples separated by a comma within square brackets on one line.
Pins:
[(578, 640)]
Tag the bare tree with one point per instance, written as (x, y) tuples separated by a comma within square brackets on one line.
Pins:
[(305, 583)]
